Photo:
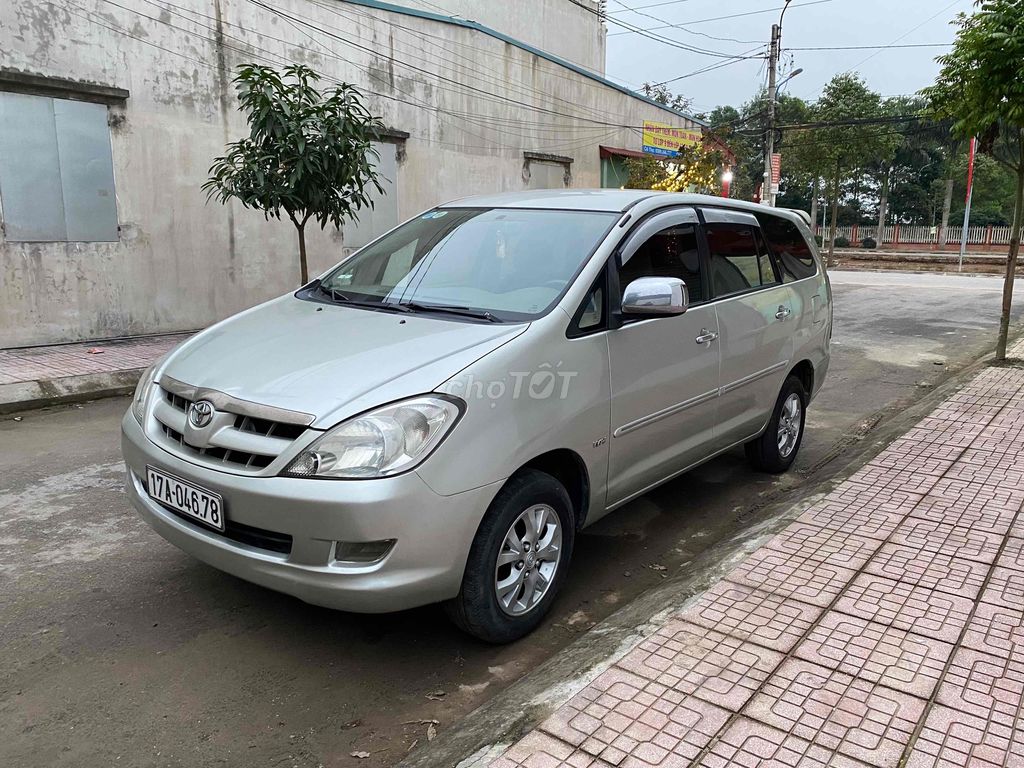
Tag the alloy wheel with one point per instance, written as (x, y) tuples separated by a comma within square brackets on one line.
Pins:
[(528, 559), (790, 423)]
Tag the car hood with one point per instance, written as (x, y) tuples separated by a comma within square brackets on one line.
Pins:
[(331, 361)]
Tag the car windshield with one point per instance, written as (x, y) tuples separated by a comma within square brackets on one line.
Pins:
[(498, 263)]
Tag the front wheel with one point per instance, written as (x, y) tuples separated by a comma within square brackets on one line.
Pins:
[(518, 560), (775, 450)]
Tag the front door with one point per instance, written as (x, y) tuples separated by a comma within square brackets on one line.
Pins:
[(663, 371), (756, 321)]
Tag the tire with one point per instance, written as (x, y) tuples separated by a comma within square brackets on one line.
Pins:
[(765, 453), (477, 609)]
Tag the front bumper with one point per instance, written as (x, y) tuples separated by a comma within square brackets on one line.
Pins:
[(432, 533)]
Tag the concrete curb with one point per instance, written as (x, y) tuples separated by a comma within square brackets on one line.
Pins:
[(25, 395), (486, 732)]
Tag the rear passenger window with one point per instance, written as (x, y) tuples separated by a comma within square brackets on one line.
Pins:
[(672, 252), (789, 246), (738, 259)]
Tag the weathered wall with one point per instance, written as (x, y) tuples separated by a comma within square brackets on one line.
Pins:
[(472, 105), (559, 27)]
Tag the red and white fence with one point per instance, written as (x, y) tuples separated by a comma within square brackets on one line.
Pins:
[(924, 237)]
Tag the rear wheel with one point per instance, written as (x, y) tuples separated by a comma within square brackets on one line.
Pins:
[(775, 450), (518, 560)]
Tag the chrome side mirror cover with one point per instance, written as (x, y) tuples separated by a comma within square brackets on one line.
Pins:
[(654, 296)]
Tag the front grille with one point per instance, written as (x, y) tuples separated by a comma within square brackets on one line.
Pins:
[(246, 442), (260, 538)]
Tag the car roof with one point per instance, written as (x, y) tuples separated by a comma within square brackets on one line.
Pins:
[(610, 200)]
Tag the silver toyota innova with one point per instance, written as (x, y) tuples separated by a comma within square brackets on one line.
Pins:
[(436, 417)]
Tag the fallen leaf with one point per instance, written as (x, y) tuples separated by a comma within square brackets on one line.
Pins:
[(436, 695), (657, 567), (94, 351), (361, 755), (413, 745), (431, 732)]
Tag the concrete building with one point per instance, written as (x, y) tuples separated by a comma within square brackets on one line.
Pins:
[(112, 110)]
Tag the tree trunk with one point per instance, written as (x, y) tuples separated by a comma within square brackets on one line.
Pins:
[(814, 204), (835, 216), (303, 268), (883, 208), (947, 203), (1011, 258)]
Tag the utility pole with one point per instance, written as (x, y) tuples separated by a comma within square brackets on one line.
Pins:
[(768, 195)]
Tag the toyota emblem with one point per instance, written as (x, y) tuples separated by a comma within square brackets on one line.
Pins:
[(201, 413)]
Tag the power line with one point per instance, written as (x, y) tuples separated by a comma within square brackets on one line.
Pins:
[(640, 12), (905, 34), (869, 47), (723, 18), (713, 67), (656, 38)]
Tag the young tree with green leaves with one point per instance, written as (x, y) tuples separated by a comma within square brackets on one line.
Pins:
[(981, 89), (843, 145), (309, 154)]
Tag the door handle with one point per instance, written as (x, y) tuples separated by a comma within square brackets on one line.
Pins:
[(783, 312), (706, 336)]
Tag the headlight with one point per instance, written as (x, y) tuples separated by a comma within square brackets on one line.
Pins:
[(380, 443), (142, 390)]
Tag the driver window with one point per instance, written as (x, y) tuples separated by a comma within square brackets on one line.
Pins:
[(672, 252)]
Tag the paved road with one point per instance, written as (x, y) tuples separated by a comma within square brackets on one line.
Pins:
[(116, 648)]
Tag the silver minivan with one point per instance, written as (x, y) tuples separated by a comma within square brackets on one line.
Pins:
[(435, 418)]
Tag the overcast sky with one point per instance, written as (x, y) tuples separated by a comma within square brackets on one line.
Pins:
[(634, 59)]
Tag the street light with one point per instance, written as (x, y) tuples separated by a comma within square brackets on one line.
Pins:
[(791, 75), (727, 177)]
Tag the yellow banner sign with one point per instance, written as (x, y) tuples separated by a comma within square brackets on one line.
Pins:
[(666, 140)]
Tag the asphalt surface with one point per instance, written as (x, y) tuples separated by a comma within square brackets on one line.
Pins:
[(115, 648)]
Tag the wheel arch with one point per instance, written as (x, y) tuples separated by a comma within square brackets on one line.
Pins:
[(804, 370), (568, 468)]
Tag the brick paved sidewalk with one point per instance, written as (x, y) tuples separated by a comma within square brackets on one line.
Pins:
[(884, 627), (36, 375)]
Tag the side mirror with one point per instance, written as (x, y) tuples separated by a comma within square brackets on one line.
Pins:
[(653, 296)]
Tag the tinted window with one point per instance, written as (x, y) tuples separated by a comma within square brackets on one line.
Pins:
[(672, 252), (789, 246), (739, 261)]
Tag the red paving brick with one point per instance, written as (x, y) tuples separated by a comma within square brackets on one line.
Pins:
[(764, 618), (883, 627), (798, 577), (629, 720), (929, 569), (954, 739), (996, 629), (984, 685), (906, 606), (752, 744), (845, 714), (877, 653), (695, 661), (948, 539)]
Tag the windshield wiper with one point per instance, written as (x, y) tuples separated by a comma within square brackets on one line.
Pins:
[(341, 298), (335, 294), (479, 314)]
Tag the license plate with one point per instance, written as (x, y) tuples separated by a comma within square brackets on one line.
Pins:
[(184, 497)]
